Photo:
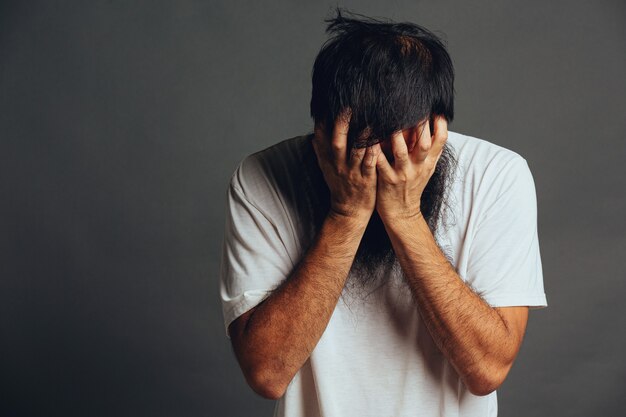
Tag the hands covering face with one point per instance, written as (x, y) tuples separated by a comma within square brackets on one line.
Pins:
[(366, 180)]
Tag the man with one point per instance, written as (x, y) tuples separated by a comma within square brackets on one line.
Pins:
[(381, 266)]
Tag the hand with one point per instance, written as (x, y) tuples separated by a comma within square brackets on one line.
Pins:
[(352, 181), (400, 185)]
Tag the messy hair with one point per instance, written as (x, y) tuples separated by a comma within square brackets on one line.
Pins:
[(390, 75)]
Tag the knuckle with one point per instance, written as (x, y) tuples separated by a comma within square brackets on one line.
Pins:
[(336, 146), (358, 153), (400, 155)]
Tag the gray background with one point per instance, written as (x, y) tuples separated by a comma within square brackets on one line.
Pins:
[(121, 123)]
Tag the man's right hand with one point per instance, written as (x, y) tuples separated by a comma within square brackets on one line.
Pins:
[(351, 180), (274, 339)]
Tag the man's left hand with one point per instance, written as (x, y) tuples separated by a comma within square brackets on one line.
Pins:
[(401, 183)]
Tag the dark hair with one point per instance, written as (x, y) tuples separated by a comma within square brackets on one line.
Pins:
[(390, 75)]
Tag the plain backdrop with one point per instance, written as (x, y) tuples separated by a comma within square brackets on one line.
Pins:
[(121, 123)]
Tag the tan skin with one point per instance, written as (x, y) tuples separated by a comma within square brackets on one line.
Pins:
[(273, 340)]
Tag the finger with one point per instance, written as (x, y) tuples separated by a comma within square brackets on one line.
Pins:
[(320, 137), (356, 157), (321, 145), (440, 136), (438, 157), (399, 150), (384, 168), (424, 143), (368, 168), (339, 139)]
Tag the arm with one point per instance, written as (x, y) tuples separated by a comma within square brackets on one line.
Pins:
[(479, 341), (275, 339), (273, 342)]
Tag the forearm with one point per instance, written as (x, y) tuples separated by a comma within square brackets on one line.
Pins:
[(469, 332), (284, 329)]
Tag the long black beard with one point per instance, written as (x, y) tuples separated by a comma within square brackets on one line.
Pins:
[(375, 258)]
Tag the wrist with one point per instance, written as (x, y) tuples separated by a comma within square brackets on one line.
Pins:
[(401, 220), (354, 220)]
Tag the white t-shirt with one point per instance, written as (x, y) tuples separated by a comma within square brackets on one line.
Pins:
[(376, 357)]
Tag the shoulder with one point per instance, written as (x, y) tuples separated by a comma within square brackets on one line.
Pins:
[(479, 155), (490, 177), (269, 166), (487, 173), (484, 167)]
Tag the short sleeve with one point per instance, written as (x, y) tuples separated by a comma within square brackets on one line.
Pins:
[(504, 261), (254, 259)]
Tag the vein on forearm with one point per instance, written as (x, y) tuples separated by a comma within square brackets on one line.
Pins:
[(286, 327), (465, 328)]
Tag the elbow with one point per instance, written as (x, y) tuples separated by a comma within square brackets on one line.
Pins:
[(486, 380), (482, 388), (265, 376), (265, 383)]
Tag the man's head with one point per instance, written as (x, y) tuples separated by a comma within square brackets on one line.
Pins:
[(392, 76)]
